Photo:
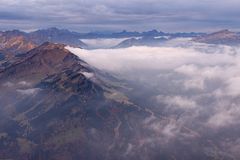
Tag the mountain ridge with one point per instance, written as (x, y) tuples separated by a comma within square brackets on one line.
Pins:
[(54, 105), (221, 37)]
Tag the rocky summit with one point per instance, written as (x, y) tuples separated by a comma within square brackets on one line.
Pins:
[(15, 42)]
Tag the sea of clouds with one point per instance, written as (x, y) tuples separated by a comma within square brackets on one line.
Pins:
[(196, 87)]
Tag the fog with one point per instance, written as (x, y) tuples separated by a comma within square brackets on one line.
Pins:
[(102, 42), (194, 88)]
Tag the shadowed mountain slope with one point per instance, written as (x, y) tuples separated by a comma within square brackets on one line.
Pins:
[(52, 109)]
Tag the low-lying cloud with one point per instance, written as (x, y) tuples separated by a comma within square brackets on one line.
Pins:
[(215, 74), (151, 58), (196, 88), (102, 42), (28, 92)]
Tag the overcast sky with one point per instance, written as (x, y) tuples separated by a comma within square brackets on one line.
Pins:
[(108, 15)]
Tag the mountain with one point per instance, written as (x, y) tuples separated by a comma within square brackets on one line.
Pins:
[(56, 35), (12, 44), (18, 42), (55, 106), (15, 42), (45, 59), (128, 34), (144, 41), (123, 34), (153, 33), (154, 38), (221, 37)]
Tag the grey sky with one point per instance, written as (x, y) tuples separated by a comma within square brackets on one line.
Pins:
[(93, 15)]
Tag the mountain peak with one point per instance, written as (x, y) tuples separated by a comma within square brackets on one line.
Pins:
[(51, 45), (46, 59), (15, 42), (14, 32), (221, 32), (221, 37), (56, 35), (52, 30)]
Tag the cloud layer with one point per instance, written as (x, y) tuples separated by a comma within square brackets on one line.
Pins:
[(82, 15), (195, 89)]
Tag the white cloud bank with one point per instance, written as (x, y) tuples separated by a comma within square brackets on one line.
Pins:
[(149, 58), (185, 77)]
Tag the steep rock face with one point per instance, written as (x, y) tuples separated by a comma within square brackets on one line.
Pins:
[(222, 37), (50, 109)]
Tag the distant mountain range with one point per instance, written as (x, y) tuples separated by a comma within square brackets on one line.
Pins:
[(15, 40), (127, 34), (22, 41)]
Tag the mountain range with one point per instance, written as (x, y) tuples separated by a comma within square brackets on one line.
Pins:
[(55, 106), (16, 41), (60, 108)]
